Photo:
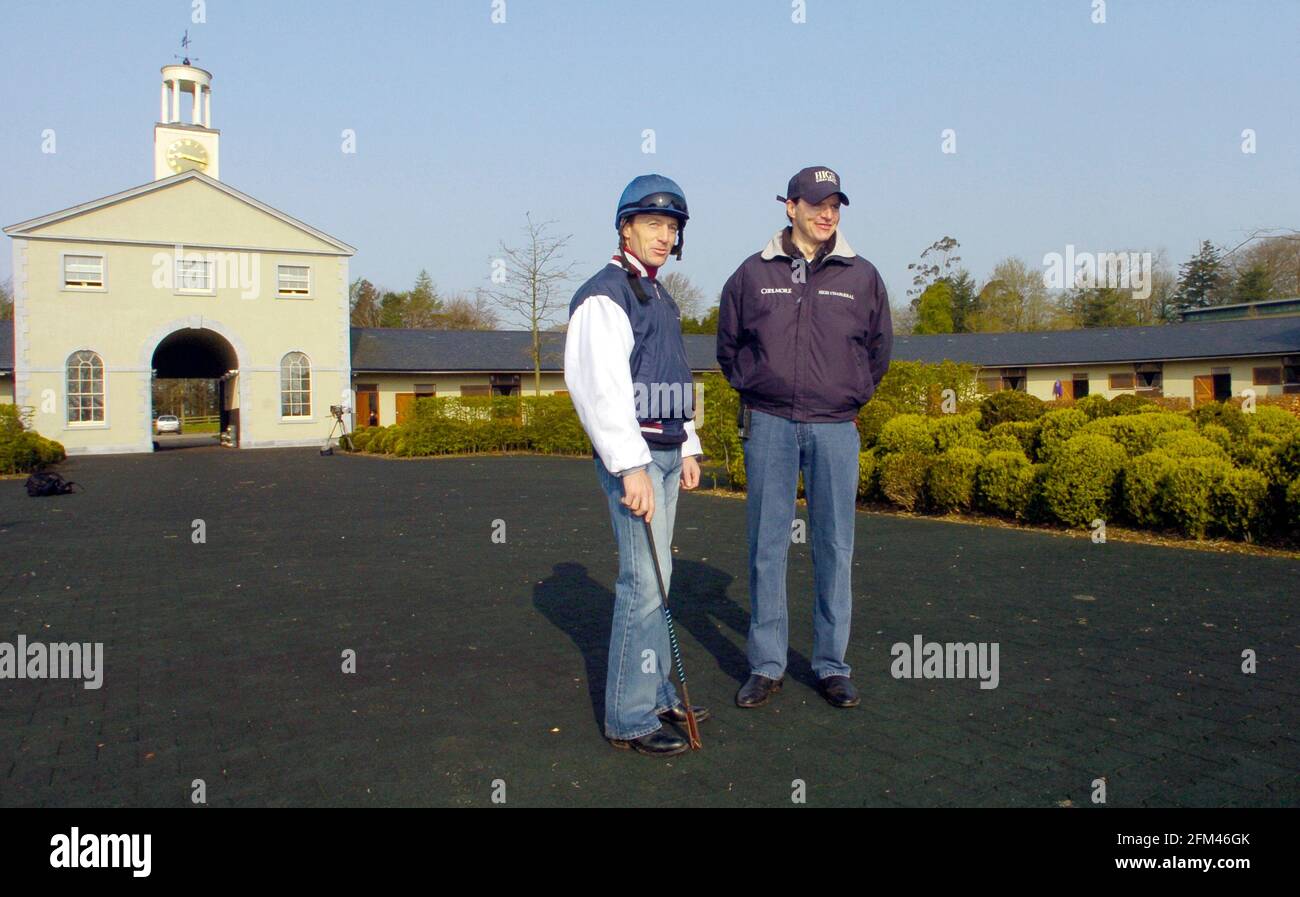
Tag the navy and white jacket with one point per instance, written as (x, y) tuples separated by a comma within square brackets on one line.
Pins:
[(810, 348), (626, 370)]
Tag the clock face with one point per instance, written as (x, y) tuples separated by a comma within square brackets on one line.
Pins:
[(186, 154)]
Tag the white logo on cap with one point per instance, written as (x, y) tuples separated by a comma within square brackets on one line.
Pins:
[(824, 175)]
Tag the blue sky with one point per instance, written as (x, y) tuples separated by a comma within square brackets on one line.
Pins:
[(1123, 135)]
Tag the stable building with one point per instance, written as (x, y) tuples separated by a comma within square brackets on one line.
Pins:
[(1200, 362), (182, 277)]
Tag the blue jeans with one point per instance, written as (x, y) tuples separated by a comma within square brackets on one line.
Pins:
[(775, 452), (637, 683)]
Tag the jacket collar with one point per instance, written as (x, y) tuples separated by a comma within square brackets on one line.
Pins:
[(775, 247)]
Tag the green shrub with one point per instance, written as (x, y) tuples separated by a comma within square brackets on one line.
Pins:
[(1239, 503), (915, 387), (1137, 432), (1094, 405), (719, 437), (1004, 483), (23, 450), (1190, 444), (1293, 503), (902, 478), (950, 481), (1009, 405), (1287, 451), (958, 430), (1186, 492), (871, 418), (1025, 432), (1004, 442), (1056, 427), (868, 468), (1224, 414), (1272, 420), (1128, 403), (1080, 481), (906, 433), (1140, 486)]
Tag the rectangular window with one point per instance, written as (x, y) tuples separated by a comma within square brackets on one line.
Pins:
[(475, 390), (194, 275), (293, 280), (1149, 377), (83, 272), (426, 390), (1121, 381), (1266, 376)]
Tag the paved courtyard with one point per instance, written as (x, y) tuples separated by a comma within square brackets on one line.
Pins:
[(480, 664)]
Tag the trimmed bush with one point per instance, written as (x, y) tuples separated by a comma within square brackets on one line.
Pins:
[(1004, 442), (902, 478), (1189, 444), (23, 450), (872, 418), (1129, 403), (1293, 503), (868, 468), (1239, 503), (1004, 483), (958, 430), (1056, 427), (1009, 405), (1094, 406), (1137, 432), (950, 481), (1223, 413), (1272, 420), (1080, 481), (1186, 492), (906, 433), (1140, 487), (1025, 432)]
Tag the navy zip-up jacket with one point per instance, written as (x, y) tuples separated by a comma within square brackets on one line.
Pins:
[(808, 345)]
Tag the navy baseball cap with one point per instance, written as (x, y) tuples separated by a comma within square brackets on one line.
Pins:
[(814, 185)]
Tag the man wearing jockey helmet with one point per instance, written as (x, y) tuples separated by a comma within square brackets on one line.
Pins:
[(626, 370)]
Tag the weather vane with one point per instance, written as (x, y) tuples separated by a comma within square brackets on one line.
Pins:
[(185, 43)]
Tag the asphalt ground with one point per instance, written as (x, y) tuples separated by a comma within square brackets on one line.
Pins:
[(480, 663)]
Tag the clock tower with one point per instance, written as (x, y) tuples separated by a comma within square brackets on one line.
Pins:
[(179, 146)]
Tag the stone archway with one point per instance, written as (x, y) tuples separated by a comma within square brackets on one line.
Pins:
[(195, 372)]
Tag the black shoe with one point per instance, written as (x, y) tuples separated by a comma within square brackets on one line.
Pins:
[(658, 743), (678, 715), (839, 691), (756, 691)]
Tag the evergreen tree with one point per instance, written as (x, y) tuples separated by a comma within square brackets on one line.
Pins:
[(934, 309), (1254, 285), (1200, 278)]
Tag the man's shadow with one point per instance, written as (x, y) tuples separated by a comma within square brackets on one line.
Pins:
[(582, 608)]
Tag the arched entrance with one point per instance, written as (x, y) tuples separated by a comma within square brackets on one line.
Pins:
[(196, 380)]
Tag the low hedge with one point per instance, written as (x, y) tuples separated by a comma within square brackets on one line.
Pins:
[(1215, 470), (23, 450)]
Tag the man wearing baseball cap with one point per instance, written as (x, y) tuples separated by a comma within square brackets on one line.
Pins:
[(805, 336)]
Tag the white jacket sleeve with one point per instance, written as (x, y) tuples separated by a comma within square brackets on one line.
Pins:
[(692, 444), (598, 373)]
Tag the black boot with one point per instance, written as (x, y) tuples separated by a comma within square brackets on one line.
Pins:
[(756, 691), (838, 691), (658, 743), (678, 715)]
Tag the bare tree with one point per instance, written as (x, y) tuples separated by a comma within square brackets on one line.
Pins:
[(527, 281), (463, 313), (686, 294)]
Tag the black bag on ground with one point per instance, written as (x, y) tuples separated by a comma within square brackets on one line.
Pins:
[(39, 484)]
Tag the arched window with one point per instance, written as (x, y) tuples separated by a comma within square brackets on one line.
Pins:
[(85, 388), (295, 385)]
